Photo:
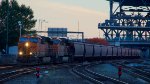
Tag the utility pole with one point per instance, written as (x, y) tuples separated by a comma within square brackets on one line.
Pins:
[(42, 24), (39, 25), (7, 26), (78, 30)]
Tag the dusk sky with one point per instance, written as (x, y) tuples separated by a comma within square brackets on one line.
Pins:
[(67, 13)]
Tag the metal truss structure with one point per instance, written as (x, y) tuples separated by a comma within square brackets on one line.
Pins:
[(130, 21), (80, 34)]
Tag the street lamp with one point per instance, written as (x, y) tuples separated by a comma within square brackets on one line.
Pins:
[(20, 24), (41, 24), (41, 21)]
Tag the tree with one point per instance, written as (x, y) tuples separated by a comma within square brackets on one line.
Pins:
[(15, 13), (1, 24), (97, 41)]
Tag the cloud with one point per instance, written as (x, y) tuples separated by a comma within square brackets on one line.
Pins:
[(65, 15)]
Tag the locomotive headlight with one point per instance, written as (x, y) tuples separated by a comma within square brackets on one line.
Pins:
[(26, 44), (20, 53), (31, 53)]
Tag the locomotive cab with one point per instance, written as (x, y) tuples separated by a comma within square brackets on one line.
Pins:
[(27, 46)]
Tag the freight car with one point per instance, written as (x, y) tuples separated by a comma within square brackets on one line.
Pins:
[(39, 49), (89, 52)]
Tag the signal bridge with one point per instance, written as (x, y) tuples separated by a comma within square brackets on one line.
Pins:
[(60, 32)]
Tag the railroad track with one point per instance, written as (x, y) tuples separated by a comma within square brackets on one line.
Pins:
[(147, 63), (5, 67), (13, 74), (138, 73), (96, 78)]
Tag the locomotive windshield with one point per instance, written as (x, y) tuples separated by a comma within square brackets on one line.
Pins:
[(56, 41), (35, 40), (23, 39)]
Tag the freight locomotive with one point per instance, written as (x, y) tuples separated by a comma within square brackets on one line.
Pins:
[(40, 49)]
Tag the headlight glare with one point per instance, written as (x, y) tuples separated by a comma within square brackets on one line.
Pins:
[(26, 44), (31, 53), (20, 53)]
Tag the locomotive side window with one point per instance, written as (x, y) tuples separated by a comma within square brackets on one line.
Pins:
[(34, 40), (23, 39)]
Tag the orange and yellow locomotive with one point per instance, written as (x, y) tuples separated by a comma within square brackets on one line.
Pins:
[(31, 47), (39, 49)]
